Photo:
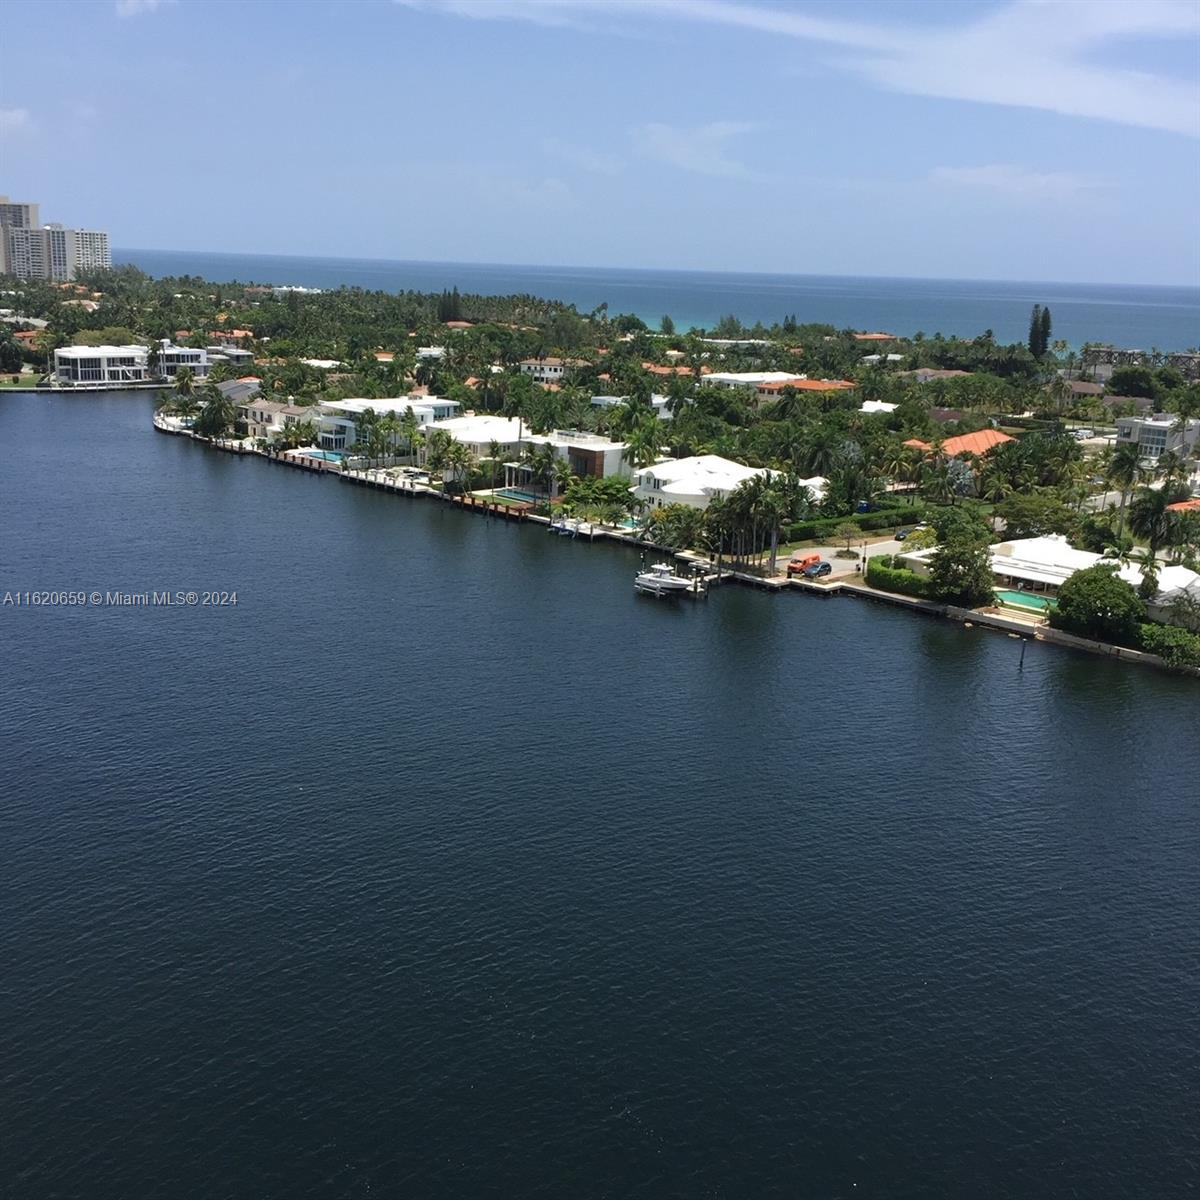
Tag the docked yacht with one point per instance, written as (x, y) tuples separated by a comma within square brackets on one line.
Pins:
[(660, 580)]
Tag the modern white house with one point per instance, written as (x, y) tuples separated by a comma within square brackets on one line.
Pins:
[(658, 403), (1041, 565), (877, 406), (750, 379), (81, 366), (171, 358), (588, 454), (695, 481), (338, 429), (431, 352), (1155, 435)]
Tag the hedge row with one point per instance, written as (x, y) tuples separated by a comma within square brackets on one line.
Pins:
[(1175, 646), (891, 518), (897, 579)]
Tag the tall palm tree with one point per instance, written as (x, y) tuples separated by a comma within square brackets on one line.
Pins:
[(1122, 471)]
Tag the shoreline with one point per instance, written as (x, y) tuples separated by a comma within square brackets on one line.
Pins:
[(969, 618)]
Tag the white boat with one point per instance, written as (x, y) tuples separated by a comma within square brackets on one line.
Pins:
[(660, 580)]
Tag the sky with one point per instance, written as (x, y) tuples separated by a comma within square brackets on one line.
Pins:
[(1020, 139)]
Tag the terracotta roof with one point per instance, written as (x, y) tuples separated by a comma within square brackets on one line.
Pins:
[(874, 337), (659, 369), (459, 324), (26, 335), (385, 356), (1185, 506), (975, 444), (917, 444)]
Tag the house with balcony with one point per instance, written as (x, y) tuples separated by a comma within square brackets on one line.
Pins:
[(1155, 435), (339, 419), (171, 358), (98, 366)]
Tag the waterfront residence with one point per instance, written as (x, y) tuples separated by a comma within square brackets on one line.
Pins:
[(699, 480), (171, 358), (549, 370), (478, 431), (338, 420), (269, 418), (1039, 566), (1155, 435), (79, 366), (238, 391)]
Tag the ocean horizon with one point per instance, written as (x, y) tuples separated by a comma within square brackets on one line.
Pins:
[(1141, 316)]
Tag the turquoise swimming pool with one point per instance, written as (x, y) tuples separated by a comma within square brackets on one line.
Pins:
[(1027, 600), (519, 494), (325, 455)]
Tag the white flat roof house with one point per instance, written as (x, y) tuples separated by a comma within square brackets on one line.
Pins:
[(337, 418), (658, 403), (171, 358), (750, 379), (877, 406), (587, 453), (1157, 434), (82, 365), (695, 481)]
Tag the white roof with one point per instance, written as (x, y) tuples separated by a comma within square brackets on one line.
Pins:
[(95, 351), (484, 428), (321, 364), (877, 406), (573, 437), (399, 405), (700, 475), (431, 351), (752, 378)]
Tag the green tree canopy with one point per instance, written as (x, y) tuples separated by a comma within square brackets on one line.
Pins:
[(1096, 603)]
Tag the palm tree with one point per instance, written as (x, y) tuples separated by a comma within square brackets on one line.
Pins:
[(1149, 517), (1123, 470), (494, 457), (1147, 560), (437, 454)]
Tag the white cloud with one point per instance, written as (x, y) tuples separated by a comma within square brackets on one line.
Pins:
[(13, 120), (1037, 54), (1018, 182), (584, 157), (701, 149), (135, 8)]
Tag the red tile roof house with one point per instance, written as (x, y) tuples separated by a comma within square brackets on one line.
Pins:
[(1185, 506), (767, 392), (974, 445)]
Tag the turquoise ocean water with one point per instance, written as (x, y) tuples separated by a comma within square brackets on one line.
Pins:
[(1131, 316)]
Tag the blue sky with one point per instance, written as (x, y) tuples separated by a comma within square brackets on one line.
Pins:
[(1022, 140)]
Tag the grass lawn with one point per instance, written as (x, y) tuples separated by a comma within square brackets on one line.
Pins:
[(502, 501), (23, 385)]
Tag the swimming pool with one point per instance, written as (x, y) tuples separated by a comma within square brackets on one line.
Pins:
[(325, 455), (1026, 600), (519, 494)]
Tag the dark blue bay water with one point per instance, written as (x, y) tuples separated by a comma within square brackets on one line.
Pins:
[(442, 865), (1132, 316)]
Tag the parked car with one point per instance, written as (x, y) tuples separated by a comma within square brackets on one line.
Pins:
[(901, 534), (817, 570), (1083, 434), (800, 563)]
